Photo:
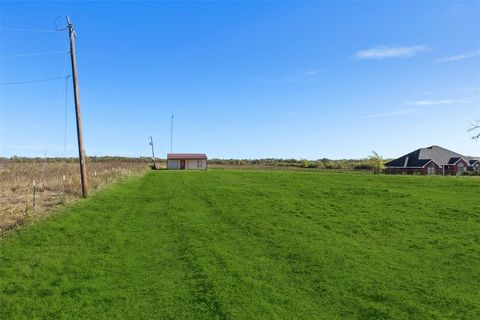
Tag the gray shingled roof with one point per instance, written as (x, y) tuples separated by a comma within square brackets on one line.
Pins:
[(422, 156), (454, 160)]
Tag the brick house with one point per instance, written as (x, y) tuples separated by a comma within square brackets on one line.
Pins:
[(431, 161)]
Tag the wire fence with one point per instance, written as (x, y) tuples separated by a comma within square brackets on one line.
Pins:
[(23, 194)]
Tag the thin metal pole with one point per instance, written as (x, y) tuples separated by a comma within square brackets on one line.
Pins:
[(76, 91), (171, 134)]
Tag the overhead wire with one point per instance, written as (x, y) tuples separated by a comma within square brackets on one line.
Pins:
[(105, 100), (66, 113), (30, 81), (103, 93), (64, 76), (65, 165), (47, 148), (27, 30), (113, 112), (33, 54)]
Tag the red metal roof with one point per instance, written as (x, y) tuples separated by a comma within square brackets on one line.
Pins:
[(180, 156)]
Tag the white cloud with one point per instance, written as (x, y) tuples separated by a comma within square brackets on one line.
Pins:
[(457, 57), (434, 102), (397, 113), (383, 52)]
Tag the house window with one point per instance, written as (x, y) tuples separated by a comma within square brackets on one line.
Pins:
[(199, 163)]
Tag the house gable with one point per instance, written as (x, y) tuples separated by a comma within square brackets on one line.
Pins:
[(432, 162), (474, 162)]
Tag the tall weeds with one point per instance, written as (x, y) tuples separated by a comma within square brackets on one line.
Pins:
[(57, 182)]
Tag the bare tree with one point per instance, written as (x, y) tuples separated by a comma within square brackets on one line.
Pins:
[(378, 162), (475, 128)]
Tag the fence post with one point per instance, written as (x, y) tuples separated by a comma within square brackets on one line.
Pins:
[(33, 204), (63, 193)]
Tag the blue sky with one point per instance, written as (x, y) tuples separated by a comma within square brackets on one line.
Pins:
[(243, 79)]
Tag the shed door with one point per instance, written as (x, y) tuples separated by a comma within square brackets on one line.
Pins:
[(182, 164)]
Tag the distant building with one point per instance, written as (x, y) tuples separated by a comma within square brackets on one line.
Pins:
[(187, 161), (433, 160)]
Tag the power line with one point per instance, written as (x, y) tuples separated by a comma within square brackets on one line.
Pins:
[(33, 54), (66, 112), (103, 93), (27, 30), (51, 117), (30, 81)]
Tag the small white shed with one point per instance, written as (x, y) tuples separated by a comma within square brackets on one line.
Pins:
[(187, 161)]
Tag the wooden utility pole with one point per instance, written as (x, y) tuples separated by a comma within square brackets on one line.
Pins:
[(81, 149), (153, 153)]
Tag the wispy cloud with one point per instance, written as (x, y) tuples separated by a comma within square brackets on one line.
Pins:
[(450, 91), (469, 89), (461, 56), (310, 73), (305, 75), (423, 92), (383, 52), (397, 113), (434, 102), (453, 10)]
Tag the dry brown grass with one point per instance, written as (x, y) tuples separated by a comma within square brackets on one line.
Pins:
[(16, 190)]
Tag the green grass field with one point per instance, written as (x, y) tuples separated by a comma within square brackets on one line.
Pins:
[(252, 244)]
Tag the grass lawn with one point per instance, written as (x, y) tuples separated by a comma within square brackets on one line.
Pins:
[(253, 244)]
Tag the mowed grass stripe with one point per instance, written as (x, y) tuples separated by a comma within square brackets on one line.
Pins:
[(112, 256), (253, 244)]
